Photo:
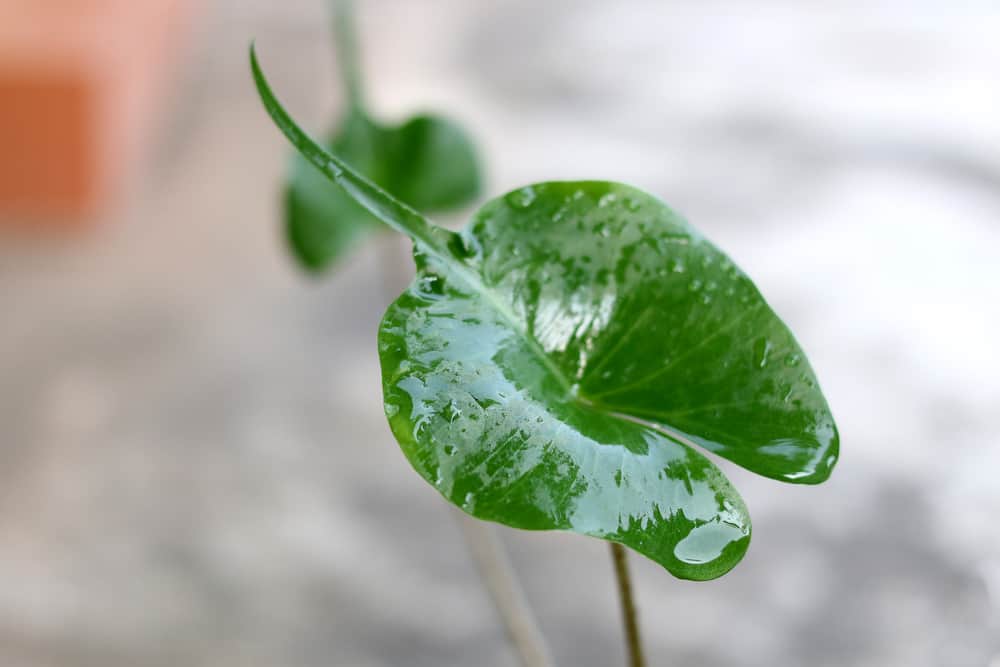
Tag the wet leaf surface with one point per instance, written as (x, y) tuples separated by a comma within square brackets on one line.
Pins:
[(560, 363)]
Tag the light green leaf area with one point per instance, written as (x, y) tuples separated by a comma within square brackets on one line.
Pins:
[(565, 361), (429, 161)]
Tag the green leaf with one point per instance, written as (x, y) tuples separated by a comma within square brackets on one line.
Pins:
[(322, 222), (559, 364), (431, 164), (428, 161)]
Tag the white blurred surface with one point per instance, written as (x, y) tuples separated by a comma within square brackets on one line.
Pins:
[(194, 467)]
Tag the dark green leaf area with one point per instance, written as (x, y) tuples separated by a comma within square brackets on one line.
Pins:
[(645, 318), (563, 374), (428, 161), (432, 164), (322, 222)]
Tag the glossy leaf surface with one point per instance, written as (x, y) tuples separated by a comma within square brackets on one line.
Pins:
[(558, 364)]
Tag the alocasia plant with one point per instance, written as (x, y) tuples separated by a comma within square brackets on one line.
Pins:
[(427, 161), (560, 363)]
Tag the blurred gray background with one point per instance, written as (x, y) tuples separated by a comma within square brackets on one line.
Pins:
[(194, 465)]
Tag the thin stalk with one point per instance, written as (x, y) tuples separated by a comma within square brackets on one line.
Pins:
[(481, 539), (345, 40), (498, 575), (630, 617)]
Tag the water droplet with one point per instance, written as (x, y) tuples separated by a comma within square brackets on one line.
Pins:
[(785, 389), (449, 450), (707, 542), (694, 285), (452, 411), (391, 410), (607, 200), (484, 403), (631, 204), (761, 350), (522, 198), (792, 360), (603, 230)]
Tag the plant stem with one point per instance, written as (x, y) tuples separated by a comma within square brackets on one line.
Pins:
[(630, 618), (484, 545), (345, 37), (498, 574)]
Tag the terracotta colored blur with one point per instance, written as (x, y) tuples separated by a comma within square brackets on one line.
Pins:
[(78, 90)]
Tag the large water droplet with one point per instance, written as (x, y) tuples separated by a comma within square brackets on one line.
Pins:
[(706, 543)]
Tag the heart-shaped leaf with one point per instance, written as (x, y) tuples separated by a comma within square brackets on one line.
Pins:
[(428, 161), (558, 363)]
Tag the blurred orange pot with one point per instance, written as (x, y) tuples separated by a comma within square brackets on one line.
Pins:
[(78, 85)]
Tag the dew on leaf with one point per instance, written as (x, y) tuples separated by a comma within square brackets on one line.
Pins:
[(523, 198), (761, 350)]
